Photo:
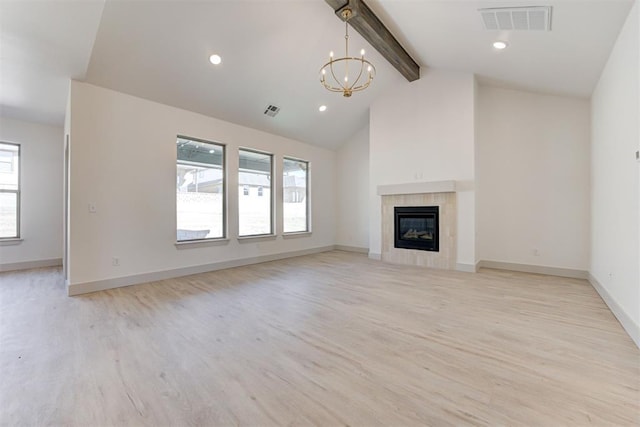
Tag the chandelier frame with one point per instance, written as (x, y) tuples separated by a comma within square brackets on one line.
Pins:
[(343, 85)]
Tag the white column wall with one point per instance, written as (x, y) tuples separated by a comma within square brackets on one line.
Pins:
[(421, 132)]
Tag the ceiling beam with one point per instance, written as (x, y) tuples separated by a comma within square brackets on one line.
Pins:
[(365, 22)]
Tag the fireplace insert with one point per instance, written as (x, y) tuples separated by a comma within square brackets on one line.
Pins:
[(417, 227)]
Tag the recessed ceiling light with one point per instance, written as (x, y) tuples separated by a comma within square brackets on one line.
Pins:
[(215, 59), (322, 108), (500, 45)]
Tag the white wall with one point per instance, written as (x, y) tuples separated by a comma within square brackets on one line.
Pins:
[(353, 191), (41, 204), (123, 154), (615, 214), (532, 178), (424, 131)]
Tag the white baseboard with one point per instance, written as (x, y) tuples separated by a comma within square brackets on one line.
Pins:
[(101, 285), (373, 255), (538, 269), (627, 322), (352, 249), (55, 262), (467, 268)]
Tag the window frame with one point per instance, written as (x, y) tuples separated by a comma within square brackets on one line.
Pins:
[(18, 194), (225, 227), (272, 203), (307, 199)]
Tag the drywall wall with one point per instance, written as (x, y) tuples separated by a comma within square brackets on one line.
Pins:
[(123, 155), (420, 132), (41, 195), (532, 178), (66, 186), (615, 214), (353, 191)]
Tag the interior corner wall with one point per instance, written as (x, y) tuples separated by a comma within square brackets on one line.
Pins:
[(123, 161), (615, 181), (41, 194), (532, 178), (424, 131), (353, 191), (65, 181)]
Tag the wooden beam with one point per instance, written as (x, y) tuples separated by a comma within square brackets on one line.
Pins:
[(365, 22)]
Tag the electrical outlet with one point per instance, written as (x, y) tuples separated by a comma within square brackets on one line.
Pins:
[(115, 261)]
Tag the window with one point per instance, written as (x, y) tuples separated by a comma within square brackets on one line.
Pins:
[(200, 190), (296, 196), (255, 212), (9, 191)]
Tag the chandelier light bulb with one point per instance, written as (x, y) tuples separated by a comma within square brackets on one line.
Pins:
[(331, 54), (215, 59)]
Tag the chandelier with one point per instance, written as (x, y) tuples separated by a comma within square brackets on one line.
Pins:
[(356, 73)]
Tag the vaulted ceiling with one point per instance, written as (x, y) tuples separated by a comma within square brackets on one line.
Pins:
[(272, 51)]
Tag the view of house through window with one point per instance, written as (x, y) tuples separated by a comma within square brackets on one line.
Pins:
[(200, 184), (254, 193), (9, 191), (295, 198)]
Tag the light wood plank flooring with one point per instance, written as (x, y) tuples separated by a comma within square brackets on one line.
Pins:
[(329, 339)]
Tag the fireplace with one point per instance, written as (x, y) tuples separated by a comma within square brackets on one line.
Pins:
[(416, 227)]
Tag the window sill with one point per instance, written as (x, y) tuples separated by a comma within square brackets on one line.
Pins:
[(186, 244), (259, 237), (296, 234), (9, 242)]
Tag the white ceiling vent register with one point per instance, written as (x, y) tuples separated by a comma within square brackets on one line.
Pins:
[(533, 18), (271, 110)]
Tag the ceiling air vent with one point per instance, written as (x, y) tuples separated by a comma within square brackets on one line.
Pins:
[(532, 18), (271, 110)]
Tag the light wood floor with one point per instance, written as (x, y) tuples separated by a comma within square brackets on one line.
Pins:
[(328, 339)]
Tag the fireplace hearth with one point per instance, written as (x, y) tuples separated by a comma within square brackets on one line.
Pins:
[(417, 227)]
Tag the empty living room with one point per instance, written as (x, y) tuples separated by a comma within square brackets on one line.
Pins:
[(319, 212)]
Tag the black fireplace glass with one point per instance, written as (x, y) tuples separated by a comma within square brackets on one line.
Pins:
[(417, 227)]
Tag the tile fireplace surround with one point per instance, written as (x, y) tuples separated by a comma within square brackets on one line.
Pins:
[(440, 193)]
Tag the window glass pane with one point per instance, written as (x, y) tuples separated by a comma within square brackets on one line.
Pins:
[(9, 190), (8, 215), (9, 166), (295, 196), (254, 193), (200, 190)]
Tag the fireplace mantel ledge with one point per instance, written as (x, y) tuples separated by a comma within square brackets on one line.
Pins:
[(417, 188)]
